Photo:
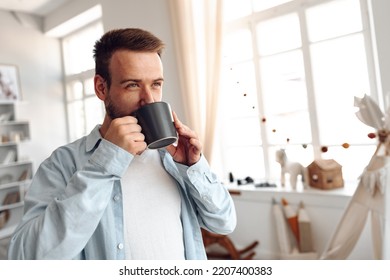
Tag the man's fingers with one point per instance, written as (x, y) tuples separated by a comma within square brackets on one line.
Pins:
[(126, 133)]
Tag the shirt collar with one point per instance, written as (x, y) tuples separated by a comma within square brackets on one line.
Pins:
[(93, 139)]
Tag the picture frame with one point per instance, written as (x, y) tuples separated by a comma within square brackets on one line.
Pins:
[(9, 83)]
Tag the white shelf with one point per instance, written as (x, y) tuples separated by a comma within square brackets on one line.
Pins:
[(16, 163), (11, 206), (15, 184), (10, 123), (15, 174)]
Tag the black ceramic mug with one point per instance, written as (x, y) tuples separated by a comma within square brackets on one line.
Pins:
[(157, 124)]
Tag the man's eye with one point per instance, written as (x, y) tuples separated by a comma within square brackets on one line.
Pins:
[(132, 85), (157, 84)]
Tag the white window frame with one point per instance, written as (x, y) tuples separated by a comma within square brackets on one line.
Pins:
[(299, 6), (81, 77)]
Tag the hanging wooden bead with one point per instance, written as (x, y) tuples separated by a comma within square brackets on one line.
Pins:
[(345, 145)]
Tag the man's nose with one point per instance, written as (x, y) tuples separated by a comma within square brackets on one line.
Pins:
[(146, 96)]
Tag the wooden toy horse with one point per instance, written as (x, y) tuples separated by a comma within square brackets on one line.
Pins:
[(294, 169)]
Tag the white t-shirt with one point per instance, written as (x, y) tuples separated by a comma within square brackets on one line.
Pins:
[(151, 204)]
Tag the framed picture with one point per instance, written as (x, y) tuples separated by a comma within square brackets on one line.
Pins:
[(9, 83)]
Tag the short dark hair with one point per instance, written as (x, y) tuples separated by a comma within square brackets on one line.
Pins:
[(133, 39)]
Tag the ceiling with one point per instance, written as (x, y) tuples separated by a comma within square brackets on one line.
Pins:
[(36, 7)]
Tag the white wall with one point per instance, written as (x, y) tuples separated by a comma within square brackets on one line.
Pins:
[(38, 60), (380, 26)]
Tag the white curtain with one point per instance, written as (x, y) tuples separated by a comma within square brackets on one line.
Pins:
[(197, 27)]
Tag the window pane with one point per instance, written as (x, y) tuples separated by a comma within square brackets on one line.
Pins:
[(234, 9), (78, 49), (237, 46), (84, 108), (261, 5), (243, 131), (239, 90), (240, 110), (333, 19), (94, 112), (89, 87), (76, 119), (279, 34), (339, 74), (285, 98), (245, 161), (74, 91)]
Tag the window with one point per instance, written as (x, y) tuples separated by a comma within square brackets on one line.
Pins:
[(84, 109), (291, 71)]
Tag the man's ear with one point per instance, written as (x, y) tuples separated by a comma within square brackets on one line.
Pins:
[(100, 87)]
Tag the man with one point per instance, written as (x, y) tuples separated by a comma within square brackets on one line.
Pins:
[(106, 196)]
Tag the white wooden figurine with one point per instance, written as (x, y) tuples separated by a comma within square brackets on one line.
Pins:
[(294, 169)]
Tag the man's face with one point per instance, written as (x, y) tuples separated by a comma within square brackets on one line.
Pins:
[(136, 80)]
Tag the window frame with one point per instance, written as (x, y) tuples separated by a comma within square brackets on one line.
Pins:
[(82, 77), (298, 6)]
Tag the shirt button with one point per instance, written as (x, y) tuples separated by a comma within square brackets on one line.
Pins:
[(116, 197), (120, 246)]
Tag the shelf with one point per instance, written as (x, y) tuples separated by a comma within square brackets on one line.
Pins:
[(11, 123), (13, 143), (8, 144), (14, 131), (11, 206), (16, 163), (8, 102), (15, 184), (348, 190), (15, 174)]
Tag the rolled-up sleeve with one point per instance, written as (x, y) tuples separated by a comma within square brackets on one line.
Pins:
[(215, 207)]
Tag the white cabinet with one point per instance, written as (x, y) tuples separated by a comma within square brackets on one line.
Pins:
[(15, 172)]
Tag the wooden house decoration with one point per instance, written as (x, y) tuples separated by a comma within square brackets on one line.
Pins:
[(325, 174)]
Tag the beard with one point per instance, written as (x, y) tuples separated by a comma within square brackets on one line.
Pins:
[(113, 110)]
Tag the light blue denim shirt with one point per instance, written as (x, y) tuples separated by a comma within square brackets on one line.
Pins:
[(74, 210)]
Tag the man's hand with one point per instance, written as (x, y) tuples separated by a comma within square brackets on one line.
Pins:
[(189, 148), (126, 133)]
